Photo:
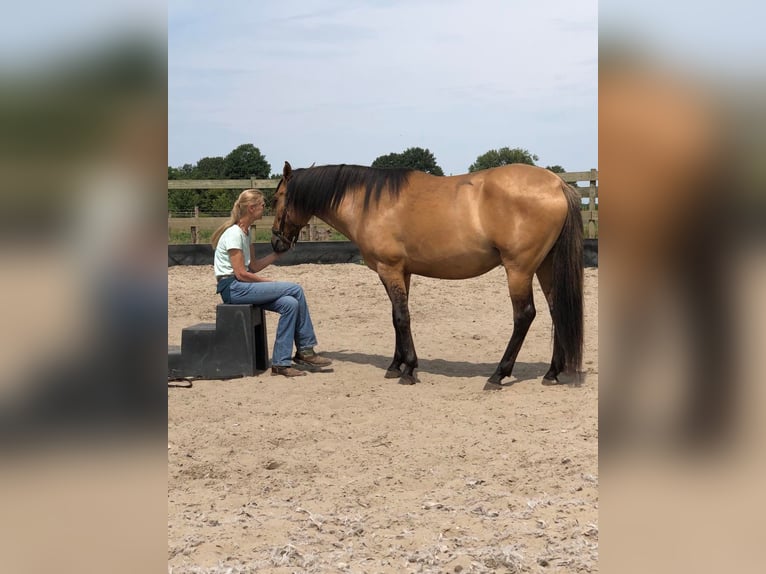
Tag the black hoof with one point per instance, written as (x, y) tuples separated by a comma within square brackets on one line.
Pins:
[(408, 380), (495, 379), (393, 373), (490, 386), (550, 380)]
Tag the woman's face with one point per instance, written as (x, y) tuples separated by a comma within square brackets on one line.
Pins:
[(256, 209)]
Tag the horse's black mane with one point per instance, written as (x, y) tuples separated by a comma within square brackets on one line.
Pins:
[(318, 189)]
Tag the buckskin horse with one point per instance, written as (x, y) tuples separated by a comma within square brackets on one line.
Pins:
[(407, 222)]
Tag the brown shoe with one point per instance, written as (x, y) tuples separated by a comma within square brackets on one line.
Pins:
[(286, 372), (311, 359)]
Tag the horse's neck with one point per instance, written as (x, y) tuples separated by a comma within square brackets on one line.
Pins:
[(341, 220)]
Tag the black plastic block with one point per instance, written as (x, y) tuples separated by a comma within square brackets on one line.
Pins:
[(241, 341), (235, 346), (175, 362), (198, 350)]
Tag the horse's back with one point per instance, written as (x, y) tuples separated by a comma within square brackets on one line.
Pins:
[(521, 183), (518, 186)]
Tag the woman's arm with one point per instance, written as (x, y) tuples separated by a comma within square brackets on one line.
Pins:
[(241, 273), (257, 265)]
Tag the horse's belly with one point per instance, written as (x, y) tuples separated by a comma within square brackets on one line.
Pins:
[(463, 266)]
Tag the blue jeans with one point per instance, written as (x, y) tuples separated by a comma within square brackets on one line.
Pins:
[(288, 300)]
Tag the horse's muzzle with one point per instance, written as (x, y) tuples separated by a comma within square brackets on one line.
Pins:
[(279, 243)]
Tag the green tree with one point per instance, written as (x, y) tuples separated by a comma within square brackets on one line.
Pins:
[(221, 200), (210, 168), (186, 171), (421, 159), (243, 162), (183, 199), (390, 160), (246, 161), (412, 158), (555, 168), (503, 156)]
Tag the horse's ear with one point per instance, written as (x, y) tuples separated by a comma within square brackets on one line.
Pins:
[(312, 165), (287, 171)]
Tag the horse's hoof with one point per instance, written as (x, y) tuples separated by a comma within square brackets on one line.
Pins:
[(490, 386), (393, 374), (408, 380), (550, 380)]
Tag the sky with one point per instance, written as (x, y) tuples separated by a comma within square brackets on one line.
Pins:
[(337, 81), (723, 40)]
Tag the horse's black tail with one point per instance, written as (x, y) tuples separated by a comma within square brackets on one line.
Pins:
[(567, 294)]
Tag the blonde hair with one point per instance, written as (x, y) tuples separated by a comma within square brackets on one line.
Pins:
[(245, 199)]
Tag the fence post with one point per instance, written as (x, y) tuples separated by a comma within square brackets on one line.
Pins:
[(194, 234), (592, 205)]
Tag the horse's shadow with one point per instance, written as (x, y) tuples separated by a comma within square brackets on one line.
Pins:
[(459, 369)]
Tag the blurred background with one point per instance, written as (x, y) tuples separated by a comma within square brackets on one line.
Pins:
[(83, 159), (682, 272)]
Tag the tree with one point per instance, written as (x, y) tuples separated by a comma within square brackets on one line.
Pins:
[(503, 156), (555, 168), (411, 158), (222, 200), (183, 199), (390, 160), (243, 162), (184, 172), (210, 168), (421, 159), (246, 161)]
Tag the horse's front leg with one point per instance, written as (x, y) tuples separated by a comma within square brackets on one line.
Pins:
[(397, 286), (394, 370)]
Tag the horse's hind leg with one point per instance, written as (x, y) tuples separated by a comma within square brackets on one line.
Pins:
[(520, 287), (545, 276)]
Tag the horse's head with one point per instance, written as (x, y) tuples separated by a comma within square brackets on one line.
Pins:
[(287, 223)]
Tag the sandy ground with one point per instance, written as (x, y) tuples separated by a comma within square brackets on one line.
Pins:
[(350, 472)]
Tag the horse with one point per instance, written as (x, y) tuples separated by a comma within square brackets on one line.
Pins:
[(407, 222)]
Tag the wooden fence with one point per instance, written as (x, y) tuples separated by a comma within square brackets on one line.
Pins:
[(196, 223)]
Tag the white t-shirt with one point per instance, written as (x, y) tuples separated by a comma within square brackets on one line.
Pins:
[(232, 238)]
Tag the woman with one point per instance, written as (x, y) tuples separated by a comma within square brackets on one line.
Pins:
[(236, 270)]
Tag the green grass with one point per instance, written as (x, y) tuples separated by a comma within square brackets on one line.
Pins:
[(337, 236), (261, 236), (178, 236)]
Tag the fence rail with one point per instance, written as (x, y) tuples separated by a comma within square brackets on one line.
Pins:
[(196, 223), (222, 183)]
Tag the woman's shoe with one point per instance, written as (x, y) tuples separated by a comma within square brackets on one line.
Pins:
[(311, 359), (286, 372)]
